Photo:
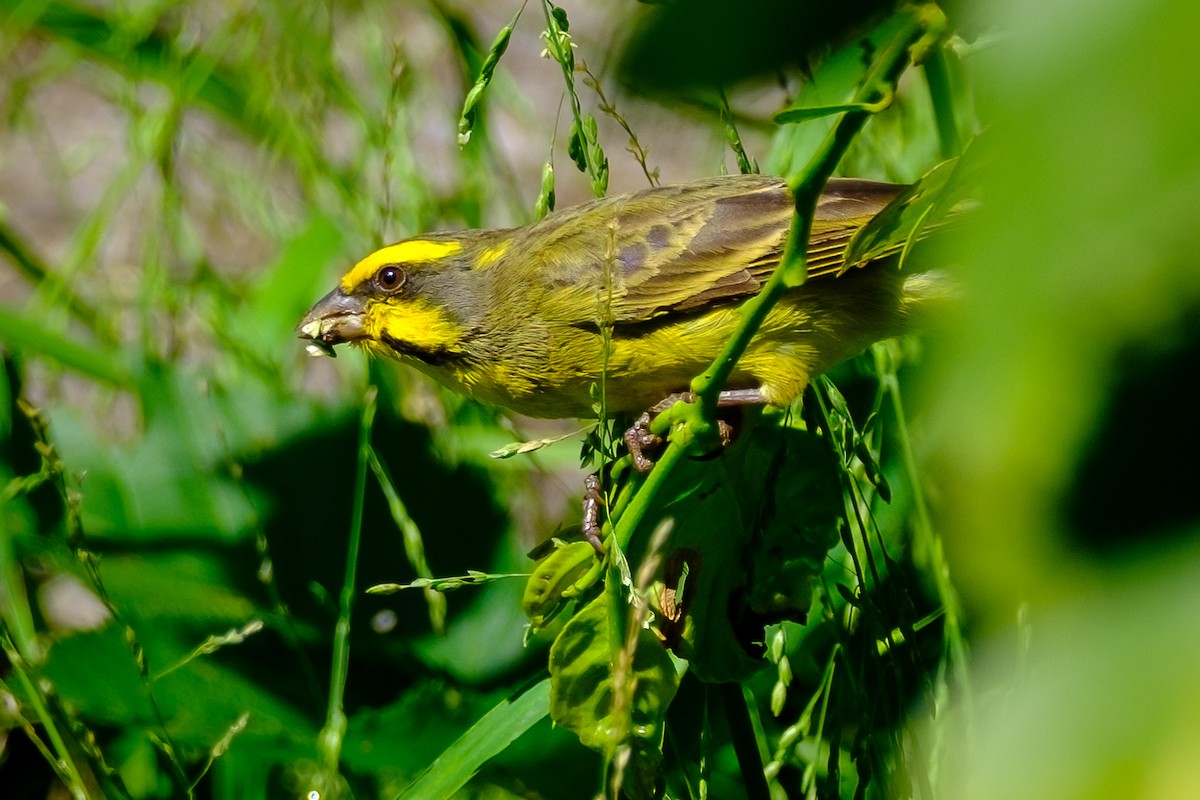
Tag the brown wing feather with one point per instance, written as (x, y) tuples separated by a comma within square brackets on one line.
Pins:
[(725, 247), (680, 248), (719, 242)]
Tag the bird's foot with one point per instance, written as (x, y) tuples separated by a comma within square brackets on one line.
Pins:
[(643, 444)]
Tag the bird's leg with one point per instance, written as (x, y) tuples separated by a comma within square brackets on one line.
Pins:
[(592, 500), (639, 439)]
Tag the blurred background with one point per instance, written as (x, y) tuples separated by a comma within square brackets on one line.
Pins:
[(180, 181)]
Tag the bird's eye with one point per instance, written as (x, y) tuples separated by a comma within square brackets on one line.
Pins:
[(390, 278)]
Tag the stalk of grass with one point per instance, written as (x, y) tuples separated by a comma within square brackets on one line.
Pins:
[(608, 107), (234, 91), (329, 741), (28, 334), (864, 611), (707, 754), (414, 544), (928, 540), (14, 601), (808, 782), (482, 163), (470, 111), (212, 644), (40, 274), (23, 650), (282, 618), (583, 146), (446, 583), (628, 617), (746, 165), (219, 749), (746, 744), (56, 474), (58, 754), (802, 727)]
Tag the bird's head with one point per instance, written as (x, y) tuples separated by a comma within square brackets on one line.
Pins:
[(413, 299)]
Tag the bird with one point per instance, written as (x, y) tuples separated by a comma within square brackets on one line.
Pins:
[(636, 293)]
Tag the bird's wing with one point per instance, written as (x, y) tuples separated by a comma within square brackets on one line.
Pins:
[(678, 249)]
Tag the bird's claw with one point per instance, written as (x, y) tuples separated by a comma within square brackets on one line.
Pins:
[(639, 440)]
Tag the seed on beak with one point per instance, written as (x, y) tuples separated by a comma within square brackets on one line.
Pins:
[(316, 348), (336, 318)]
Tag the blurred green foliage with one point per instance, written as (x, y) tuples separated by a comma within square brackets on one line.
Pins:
[(1064, 414), (178, 481)]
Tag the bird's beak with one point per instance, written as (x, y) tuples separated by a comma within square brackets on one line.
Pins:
[(336, 318)]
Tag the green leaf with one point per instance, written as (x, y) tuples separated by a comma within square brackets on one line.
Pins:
[(586, 700), (564, 573), (170, 480), (803, 113), (488, 737), (752, 531)]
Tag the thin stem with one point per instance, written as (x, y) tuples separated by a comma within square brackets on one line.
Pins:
[(54, 469), (414, 544), (607, 106), (17, 615), (937, 76), (746, 165), (808, 781), (590, 156), (62, 760), (331, 736)]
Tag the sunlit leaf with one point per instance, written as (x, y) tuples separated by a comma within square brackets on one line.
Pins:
[(607, 715)]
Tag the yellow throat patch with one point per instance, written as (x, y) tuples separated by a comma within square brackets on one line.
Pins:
[(417, 323)]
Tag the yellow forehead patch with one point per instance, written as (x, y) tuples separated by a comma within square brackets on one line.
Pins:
[(414, 251)]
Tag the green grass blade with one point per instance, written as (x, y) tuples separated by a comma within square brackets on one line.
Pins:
[(805, 113), (32, 337), (34, 269), (488, 737), (747, 744), (414, 544)]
